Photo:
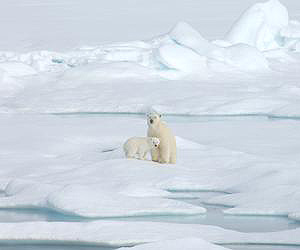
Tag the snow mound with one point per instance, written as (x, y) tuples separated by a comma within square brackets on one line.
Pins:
[(295, 216), (187, 144), (90, 202), (242, 57), (17, 69), (297, 46), (260, 26), (127, 234), (187, 36), (292, 30), (291, 35), (280, 200), (132, 76), (96, 72), (174, 56), (8, 84)]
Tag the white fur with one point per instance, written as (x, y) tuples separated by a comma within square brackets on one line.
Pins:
[(138, 147), (166, 151)]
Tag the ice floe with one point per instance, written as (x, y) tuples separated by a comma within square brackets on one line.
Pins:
[(72, 171), (118, 234)]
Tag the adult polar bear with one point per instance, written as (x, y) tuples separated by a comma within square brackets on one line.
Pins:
[(166, 151)]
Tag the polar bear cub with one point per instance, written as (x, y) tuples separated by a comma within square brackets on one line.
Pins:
[(138, 147)]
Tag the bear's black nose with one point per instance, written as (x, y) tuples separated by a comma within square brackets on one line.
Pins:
[(151, 121), (155, 145)]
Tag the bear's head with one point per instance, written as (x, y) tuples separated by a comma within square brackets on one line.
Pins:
[(155, 142), (153, 119)]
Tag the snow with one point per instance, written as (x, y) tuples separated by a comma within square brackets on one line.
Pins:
[(294, 216), (185, 35), (87, 202), (112, 185), (17, 69), (297, 46), (260, 26), (176, 57), (243, 57), (84, 172), (124, 234), (74, 165), (281, 200), (188, 244), (76, 58), (202, 76), (292, 30)]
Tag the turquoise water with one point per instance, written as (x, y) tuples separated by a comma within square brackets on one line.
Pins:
[(214, 216)]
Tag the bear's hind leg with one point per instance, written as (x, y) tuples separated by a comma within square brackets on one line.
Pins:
[(173, 158), (173, 151), (129, 155), (141, 154)]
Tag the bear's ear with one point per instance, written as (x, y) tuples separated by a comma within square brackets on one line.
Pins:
[(159, 115)]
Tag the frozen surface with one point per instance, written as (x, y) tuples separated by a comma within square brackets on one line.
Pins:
[(262, 247), (253, 72), (112, 185), (116, 234), (260, 26), (65, 57), (74, 165), (188, 244), (50, 247)]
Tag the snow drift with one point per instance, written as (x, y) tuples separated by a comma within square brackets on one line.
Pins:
[(254, 60), (260, 26)]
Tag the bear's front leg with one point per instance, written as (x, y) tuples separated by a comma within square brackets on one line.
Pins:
[(155, 154), (164, 154)]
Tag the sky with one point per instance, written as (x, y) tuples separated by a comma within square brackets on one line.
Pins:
[(65, 24)]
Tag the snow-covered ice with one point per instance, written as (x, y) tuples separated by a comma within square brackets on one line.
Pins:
[(260, 26), (118, 233), (188, 244), (73, 163), (243, 73), (49, 173)]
